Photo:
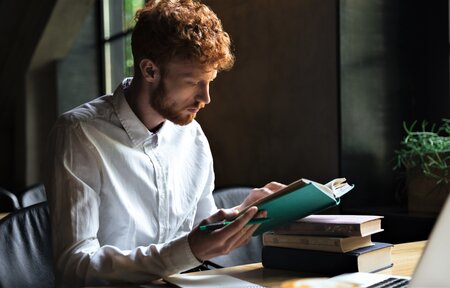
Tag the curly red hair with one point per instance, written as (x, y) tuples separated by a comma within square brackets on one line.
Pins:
[(186, 29)]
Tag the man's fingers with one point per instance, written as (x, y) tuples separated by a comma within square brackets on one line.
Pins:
[(261, 214), (275, 186), (245, 236), (240, 221), (223, 240), (220, 215), (246, 239), (239, 231)]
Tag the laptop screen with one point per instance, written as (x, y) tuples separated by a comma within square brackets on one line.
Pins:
[(433, 269)]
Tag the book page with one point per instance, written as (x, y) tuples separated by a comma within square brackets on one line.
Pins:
[(335, 188), (339, 187), (210, 281)]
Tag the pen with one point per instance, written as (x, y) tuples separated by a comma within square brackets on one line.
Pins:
[(218, 225)]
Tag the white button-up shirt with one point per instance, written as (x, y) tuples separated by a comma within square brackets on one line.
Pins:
[(122, 198)]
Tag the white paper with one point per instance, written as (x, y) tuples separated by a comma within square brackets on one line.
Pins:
[(211, 281)]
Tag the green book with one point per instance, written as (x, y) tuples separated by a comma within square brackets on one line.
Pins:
[(299, 199)]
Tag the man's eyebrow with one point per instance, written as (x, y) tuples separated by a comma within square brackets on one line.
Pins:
[(186, 74), (196, 75)]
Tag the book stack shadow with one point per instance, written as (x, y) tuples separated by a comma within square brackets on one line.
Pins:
[(328, 245)]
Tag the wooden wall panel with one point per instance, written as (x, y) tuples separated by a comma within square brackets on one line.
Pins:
[(274, 116)]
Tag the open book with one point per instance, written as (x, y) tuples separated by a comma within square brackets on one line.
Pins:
[(299, 199)]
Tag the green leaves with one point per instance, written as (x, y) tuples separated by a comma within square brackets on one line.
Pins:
[(427, 149)]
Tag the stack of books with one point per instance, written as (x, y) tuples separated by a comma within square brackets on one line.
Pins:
[(327, 244)]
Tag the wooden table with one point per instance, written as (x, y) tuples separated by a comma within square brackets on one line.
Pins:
[(404, 256)]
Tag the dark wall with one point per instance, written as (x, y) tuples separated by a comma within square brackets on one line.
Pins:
[(320, 89), (36, 35), (275, 115), (22, 25), (394, 68)]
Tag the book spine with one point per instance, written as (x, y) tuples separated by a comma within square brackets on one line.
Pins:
[(310, 261), (303, 242), (322, 243), (320, 229)]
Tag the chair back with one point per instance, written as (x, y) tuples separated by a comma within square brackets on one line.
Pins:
[(25, 248), (33, 195), (228, 197), (8, 201)]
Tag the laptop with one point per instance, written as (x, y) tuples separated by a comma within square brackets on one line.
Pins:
[(433, 269)]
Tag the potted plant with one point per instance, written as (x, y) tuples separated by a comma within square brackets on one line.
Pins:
[(425, 155)]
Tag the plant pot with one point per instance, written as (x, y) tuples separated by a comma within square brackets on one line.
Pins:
[(424, 195)]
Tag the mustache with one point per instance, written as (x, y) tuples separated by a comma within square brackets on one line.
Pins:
[(197, 105)]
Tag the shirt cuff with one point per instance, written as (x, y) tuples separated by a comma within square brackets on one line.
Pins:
[(178, 254)]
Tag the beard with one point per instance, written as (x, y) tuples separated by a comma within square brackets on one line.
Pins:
[(170, 110)]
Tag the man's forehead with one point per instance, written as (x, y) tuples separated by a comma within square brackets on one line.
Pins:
[(188, 68)]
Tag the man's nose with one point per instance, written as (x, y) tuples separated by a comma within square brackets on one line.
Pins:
[(203, 94)]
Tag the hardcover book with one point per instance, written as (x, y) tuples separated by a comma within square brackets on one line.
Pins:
[(299, 199), (322, 243), (367, 259), (333, 225)]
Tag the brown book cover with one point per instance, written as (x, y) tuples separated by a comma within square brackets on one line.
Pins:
[(321, 243), (333, 225)]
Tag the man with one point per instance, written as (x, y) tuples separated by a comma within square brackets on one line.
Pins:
[(132, 173)]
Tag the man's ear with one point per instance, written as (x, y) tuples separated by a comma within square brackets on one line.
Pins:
[(149, 71)]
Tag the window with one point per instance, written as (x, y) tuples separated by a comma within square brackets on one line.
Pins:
[(118, 22)]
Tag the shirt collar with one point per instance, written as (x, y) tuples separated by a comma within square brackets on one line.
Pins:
[(135, 129)]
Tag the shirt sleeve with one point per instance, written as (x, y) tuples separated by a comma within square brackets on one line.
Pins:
[(206, 205), (73, 182)]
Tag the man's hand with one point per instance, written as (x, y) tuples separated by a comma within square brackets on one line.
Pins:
[(206, 245), (259, 193)]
